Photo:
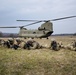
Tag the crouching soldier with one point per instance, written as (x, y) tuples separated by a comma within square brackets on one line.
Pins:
[(54, 45), (73, 44), (2, 42), (60, 45), (16, 44), (28, 44), (7, 44), (36, 45)]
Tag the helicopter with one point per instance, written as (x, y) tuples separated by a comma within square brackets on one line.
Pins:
[(44, 31)]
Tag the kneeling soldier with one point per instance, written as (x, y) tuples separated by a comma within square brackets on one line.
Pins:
[(53, 45)]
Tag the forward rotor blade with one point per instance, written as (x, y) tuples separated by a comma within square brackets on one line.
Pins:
[(31, 23), (28, 20), (48, 20), (10, 27), (62, 18)]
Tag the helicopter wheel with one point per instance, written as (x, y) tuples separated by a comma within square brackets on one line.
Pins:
[(47, 38), (24, 37), (32, 37), (40, 38)]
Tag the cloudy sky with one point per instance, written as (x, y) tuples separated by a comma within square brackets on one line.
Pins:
[(11, 10)]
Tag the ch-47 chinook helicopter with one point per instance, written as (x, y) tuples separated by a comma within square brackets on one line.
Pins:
[(44, 31)]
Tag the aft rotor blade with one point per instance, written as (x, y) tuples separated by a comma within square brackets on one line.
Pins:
[(31, 23), (62, 18)]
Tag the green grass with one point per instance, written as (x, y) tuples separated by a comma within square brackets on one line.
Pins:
[(37, 62)]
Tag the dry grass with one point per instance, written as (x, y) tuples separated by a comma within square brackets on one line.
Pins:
[(39, 62)]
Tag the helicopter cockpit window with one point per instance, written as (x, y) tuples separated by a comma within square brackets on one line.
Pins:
[(43, 28)]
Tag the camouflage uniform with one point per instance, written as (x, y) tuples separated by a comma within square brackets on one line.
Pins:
[(36, 45), (74, 43), (28, 44), (54, 45), (72, 46), (16, 44)]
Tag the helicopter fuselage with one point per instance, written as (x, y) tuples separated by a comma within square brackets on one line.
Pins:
[(44, 31), (35, 33)]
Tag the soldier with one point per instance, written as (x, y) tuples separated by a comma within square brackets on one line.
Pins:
[(16, 44), (18, 41), (28, 44), (2, 42), (74, 43), (60, 45), (11, 42), (71, 46), (53, 44), (7, 44), (36, 45)]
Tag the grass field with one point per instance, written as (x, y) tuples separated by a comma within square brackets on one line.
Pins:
[(39, 62)]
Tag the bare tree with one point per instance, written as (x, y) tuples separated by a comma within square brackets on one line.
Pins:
[(1, 34)]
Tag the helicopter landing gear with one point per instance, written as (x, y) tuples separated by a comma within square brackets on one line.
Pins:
[(47, 38)]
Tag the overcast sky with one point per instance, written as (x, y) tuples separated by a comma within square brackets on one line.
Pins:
[(11, 10)]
